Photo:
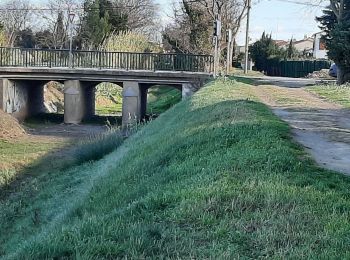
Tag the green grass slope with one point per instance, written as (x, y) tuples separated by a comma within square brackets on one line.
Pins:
[(162, 98), (215, 177)]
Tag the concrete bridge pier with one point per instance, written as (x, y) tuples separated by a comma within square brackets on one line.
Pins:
[(132, 103), (79, 101), (21, 98), (187, 90)]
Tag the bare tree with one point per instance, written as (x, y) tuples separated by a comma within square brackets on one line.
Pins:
[(55, 22), (193, 20), (141, 14), (15, 16)]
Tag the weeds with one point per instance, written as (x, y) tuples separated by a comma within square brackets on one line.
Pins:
[(334, 93), (6, 176), (95, 147)]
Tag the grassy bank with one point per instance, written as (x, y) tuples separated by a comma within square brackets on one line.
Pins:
[(15, 155), (333, 93), (162, 98), (214, 177)]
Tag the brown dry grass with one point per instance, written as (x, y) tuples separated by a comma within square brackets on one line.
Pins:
[(10, 127)]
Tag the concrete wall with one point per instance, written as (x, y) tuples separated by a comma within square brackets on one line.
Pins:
[(21, 98), (319, 53)]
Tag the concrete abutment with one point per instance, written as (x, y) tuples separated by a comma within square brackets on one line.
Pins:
[(21, 98)]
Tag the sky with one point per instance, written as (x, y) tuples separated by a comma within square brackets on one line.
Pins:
[(284, 20)]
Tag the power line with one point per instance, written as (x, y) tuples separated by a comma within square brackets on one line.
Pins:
[(300, 3), (73, 9)]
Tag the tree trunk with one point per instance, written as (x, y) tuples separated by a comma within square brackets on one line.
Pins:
[(340, 75), (343, 75)]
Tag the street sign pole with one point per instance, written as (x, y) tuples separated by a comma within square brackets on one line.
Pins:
[(215, 56), (229, 55)]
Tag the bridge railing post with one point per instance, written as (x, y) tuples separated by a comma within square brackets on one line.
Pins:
[(99, 59)]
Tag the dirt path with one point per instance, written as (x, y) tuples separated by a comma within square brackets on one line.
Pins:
[(323, 128)]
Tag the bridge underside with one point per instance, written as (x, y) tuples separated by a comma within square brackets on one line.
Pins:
[(22, 90)]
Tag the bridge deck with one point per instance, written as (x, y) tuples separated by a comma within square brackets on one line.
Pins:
[(101, 75)]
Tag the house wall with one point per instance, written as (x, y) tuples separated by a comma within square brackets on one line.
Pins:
[(318, 53), (304, 45)]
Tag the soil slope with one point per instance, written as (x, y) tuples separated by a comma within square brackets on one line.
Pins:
[(9, 127)]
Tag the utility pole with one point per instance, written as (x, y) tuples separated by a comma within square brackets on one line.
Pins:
[(71, 19), (217, 36), (247, 38)]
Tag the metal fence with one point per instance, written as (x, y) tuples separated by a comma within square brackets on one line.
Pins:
[(18, 57), (295, 69)]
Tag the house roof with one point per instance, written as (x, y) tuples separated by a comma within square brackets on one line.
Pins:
[(304, 40), (281, 43)]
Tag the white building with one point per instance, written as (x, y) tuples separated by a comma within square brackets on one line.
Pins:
[(320, 51)]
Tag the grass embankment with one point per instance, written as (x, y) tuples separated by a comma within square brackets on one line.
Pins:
[(15, 155), (162, 98), (333, 93), (215, 177)]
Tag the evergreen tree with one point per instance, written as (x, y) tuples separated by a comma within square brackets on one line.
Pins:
[(291, 49), (25, 39), (336, 25), (60, 35), (263, 50), (101, 19)]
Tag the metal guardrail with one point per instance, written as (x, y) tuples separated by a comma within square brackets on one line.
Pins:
[(19, 57)]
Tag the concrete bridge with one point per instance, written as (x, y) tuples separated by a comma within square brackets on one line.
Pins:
[(24, 72)]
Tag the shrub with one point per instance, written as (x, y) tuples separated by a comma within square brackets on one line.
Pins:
[(130, 42)]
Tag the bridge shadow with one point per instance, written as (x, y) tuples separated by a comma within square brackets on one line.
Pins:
[(52, 125)]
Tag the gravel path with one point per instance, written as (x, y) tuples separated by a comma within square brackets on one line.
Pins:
[(323, 128)]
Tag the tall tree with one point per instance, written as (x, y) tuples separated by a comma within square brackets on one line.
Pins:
[(335, 22), (291, 51), (141, 15), (192, 28), (55, 22), (14, 17), (100, 20)]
